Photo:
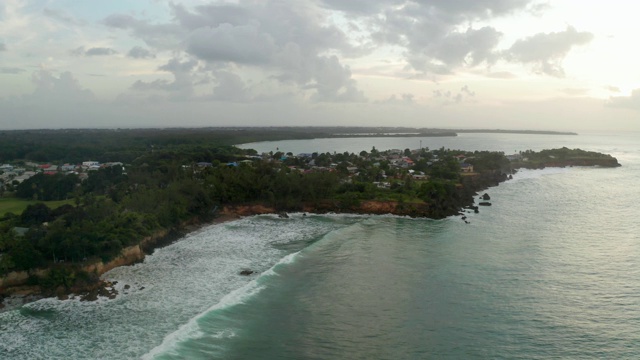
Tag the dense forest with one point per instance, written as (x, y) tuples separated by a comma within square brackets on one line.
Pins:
[(125, 145)]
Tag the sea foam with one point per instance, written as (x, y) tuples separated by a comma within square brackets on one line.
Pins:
[(192, 329)]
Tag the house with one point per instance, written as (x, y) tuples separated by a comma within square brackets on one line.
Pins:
[(88, 164), (407, 161), (6, 167), (67, 167), (466, 168)]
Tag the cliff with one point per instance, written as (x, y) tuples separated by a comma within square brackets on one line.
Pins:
[(24, 286)]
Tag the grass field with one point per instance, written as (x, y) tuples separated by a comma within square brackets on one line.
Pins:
[(16, 206)]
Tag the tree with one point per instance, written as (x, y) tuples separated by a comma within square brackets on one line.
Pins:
[(35, 214)]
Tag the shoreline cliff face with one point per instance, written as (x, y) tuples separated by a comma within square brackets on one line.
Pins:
[(19, 286)]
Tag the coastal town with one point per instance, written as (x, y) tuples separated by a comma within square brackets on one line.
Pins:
[(381, 167), (70, 222)]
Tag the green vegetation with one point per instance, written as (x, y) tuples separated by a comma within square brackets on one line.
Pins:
[(16, 206), (564, 157), (125, 145), (168, 181)]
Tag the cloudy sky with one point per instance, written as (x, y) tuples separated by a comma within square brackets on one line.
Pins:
[(512, 64)]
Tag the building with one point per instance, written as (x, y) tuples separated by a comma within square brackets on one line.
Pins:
[(466, 168), (89, 164)]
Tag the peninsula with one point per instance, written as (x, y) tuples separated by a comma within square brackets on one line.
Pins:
[(72, 218)]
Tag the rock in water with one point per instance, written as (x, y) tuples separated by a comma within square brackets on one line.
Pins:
[(485, 203), (486, 197), (283, 215), (246, 272)]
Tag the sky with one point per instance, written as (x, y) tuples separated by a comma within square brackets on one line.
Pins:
[(563, 65)]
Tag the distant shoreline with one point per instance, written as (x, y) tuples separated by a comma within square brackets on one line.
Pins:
[(524, 132), (442, 133)]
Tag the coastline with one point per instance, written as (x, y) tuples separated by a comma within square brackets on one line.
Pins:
[(18, 291)]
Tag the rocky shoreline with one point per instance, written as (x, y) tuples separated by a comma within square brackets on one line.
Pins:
[(17, 289)]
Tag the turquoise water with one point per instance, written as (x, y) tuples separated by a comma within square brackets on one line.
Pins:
[(551, 270)]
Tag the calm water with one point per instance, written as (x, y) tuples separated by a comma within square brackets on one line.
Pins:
[(551, 270)]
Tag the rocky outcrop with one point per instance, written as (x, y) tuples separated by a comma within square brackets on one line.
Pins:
[(15, 285), (128, 256), (247, 209)]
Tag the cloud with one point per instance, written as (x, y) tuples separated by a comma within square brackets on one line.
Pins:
[(501, 75), (245, 44), (449, 11), (187, 74), (575, 91), (138, 52), (547, 50), (62, 16), (100, 51), (437, 36), (10, 70), (160, 36), (333, 82), (465, 90), (230, 87), (448, 97), (95, 51), (626, 102), (403, 99), (59, 90), (291, 45), (613, 89)]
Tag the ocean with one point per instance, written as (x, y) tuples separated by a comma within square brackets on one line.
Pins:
[(551, 270)]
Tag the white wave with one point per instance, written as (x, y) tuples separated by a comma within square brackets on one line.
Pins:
[(524, 174), (168, 289), (239, 296)]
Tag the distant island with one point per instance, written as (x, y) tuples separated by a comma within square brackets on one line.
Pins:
[(88, 203)]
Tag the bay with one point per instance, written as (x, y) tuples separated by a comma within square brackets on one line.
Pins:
[(549, 271)]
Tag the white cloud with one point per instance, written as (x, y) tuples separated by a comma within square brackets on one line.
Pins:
[(243, 56), (628, 102), (547, 50)]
